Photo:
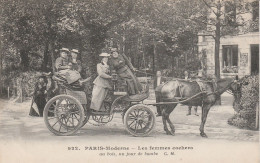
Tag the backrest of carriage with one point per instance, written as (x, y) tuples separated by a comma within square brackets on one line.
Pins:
[(120, 85), (73, 89)]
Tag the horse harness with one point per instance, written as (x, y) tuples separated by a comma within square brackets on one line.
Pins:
[(202, 87)]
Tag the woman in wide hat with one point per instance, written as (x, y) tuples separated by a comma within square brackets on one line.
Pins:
[(101, 84)]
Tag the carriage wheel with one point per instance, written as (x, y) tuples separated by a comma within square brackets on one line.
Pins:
[(139, 120), (63, 115)]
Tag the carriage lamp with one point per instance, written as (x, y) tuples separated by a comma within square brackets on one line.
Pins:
[(114, 79)]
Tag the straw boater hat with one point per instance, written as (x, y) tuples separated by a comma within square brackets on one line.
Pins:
[(75, 51), (64, 50), (113, 50), (104, 55)]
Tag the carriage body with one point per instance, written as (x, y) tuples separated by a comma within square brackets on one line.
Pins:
[(69, 110)]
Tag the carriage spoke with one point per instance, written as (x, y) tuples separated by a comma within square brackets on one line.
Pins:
[(72, 121), (138, 112), (136, 126), (66, 121), (132, 122), (131, 115), (56, 122), (76, 117), (141, 125), (134, 113), (142, 113), (61, 124), (146, 116), (129, 118)]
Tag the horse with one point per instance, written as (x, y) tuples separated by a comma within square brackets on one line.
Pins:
[(177, 90)]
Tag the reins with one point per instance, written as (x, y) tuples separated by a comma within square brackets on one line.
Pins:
[(190, 80)]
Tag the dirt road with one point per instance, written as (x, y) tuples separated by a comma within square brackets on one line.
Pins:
[(20, 132)]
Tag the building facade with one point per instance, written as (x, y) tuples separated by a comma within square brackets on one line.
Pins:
[(238, 54)]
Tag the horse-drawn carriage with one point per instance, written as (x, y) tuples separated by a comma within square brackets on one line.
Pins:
[(67, 112)]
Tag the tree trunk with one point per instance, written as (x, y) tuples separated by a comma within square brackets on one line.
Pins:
[(1, 58), (154, 55), (24, 59), (52, 57), (186, 58), (96, 43), (217, 45), (45, 57)]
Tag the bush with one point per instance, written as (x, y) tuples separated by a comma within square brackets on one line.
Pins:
[(24, 80), (245, 105)]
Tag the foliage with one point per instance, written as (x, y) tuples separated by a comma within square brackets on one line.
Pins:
[(191, 67), (18, 79), (245, 106), (149, 32)]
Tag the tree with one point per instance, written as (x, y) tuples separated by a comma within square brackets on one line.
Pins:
[(92, 20), (224, 19)]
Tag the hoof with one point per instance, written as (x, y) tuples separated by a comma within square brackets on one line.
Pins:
[(197, 114), (188, 114), (170, 133), (203, 135)]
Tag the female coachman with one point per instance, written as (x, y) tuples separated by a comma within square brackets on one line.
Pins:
[(101, 84), (124, 69)]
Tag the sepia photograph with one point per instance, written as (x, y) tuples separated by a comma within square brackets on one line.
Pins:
[(129, 81)]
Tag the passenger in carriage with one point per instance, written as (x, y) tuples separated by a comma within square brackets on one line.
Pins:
[(101, 84), (124, 68), (76, 64), (69, 70), (62, 62)]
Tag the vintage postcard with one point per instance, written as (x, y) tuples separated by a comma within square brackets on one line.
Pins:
[(129, 81)]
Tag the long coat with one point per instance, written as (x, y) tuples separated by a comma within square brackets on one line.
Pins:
[(124, 70), (101, 86)]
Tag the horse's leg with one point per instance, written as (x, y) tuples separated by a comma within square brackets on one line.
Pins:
[(196, 110), (205, 111), (189, 110), (172, 132), (164, 121)]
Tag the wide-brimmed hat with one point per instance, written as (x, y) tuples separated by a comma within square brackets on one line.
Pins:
[(104, 55), (75, 51), (113, 50), (64, 50)]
